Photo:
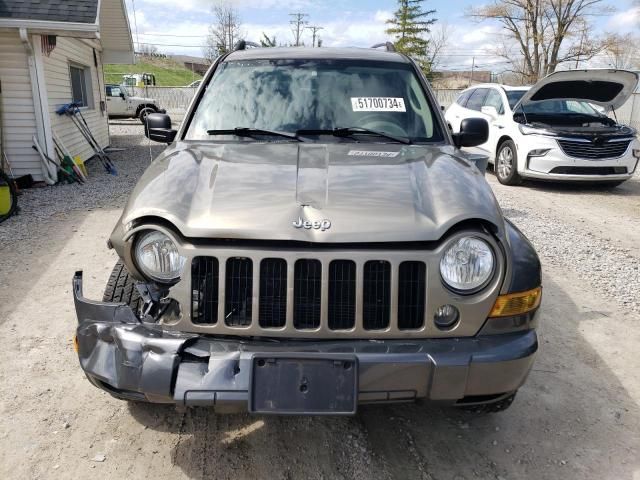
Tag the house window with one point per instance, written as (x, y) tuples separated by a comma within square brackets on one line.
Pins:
[(81, 85)]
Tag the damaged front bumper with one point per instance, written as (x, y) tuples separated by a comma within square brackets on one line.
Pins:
[(140, 361)]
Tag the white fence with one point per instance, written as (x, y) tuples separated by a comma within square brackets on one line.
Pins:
[(176, 100)]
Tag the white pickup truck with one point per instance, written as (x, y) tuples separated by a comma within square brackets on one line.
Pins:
[(120, 103)]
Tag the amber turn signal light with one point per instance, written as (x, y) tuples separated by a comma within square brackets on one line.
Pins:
[(75, 343), (516, 303)]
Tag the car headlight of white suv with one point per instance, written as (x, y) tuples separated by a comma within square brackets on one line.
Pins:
[(467, 265), (527, 130)]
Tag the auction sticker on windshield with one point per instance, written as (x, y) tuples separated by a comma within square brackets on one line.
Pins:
[(377, 104)]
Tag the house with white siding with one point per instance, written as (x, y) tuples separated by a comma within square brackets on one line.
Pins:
[(51, 53)]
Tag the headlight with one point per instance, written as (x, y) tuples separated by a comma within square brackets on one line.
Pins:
[(467, 265), (527, 130), (158, 257)]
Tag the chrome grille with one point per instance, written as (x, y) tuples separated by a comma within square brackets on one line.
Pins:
[(307, 294), (238, 292), (204, 286), (411, 294), (273, 293), (376, 294), (342, 294), (594, 151)]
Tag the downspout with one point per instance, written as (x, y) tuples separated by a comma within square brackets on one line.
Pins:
[(49, 171)]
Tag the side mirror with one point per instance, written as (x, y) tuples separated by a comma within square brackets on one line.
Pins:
[(122, 95), (473, 132), (489, 110), (442, 107), (157, 127)]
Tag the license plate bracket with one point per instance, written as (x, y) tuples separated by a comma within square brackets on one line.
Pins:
[(304, 384)]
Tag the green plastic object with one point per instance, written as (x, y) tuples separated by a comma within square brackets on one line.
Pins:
[(6, 199)]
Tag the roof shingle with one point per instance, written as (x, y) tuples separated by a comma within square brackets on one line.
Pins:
[(80, 11)]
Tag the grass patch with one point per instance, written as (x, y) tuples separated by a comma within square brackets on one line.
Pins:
[(169, 73)]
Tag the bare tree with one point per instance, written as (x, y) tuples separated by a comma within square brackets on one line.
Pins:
[(147, 49), (545, 33), (438, 42), (224, 33), (621, 50)]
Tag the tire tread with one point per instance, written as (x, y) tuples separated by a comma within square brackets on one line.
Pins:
[(121, 287)]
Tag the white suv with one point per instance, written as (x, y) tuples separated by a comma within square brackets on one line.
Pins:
[(556, 130)]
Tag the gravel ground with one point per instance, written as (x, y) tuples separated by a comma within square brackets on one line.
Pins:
[(602, 261), (102, 190), (577, 417)]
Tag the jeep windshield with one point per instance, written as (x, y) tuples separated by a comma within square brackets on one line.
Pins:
[(372, 101)]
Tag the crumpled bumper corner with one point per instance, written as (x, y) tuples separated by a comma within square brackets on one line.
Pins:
[(120, 353)]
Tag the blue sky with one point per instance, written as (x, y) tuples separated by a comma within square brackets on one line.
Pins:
[(180, 26)]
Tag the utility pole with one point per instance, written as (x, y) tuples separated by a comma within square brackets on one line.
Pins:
[(314, 29), (473, 66), (298, 21), (135, 23), (582, 39)]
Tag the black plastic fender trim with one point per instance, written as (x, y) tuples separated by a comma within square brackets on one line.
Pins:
[(526, 272)]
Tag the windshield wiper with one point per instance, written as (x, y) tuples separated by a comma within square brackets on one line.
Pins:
[(252, 132), (349, 131)]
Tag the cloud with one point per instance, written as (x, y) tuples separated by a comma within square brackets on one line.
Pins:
[(205, 6), (627, 20), (183, 5), (479, 34), (186, 36), (383, 15)]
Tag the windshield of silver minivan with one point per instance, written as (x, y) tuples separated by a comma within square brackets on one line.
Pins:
[(293, 95)]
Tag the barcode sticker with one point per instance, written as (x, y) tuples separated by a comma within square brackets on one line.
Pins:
[(377, 104)]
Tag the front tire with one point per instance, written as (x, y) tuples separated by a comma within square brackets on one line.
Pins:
[(121, 288), (506, 164)]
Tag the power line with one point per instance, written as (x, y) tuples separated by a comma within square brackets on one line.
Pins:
[(172, 45), (314, 29), (151, 34), (298, 21)]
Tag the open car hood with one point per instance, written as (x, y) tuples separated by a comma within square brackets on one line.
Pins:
[(607, 88)]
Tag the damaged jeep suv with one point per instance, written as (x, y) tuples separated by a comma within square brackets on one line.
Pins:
[(312, 239)]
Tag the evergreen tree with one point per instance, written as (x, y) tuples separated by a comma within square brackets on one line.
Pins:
[(408, 25), (265, 41)]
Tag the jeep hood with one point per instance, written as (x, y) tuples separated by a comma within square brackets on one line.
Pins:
[(607, 88), (372, 193)]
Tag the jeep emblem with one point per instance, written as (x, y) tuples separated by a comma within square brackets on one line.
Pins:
[(321, 225)]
